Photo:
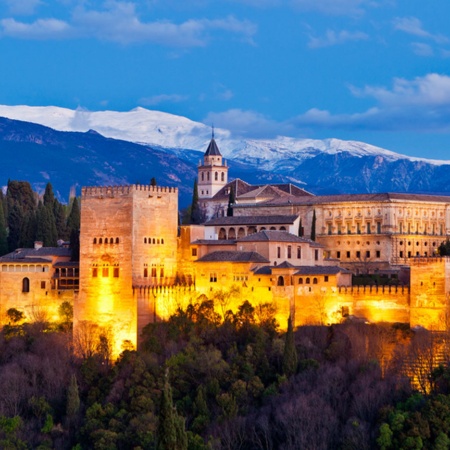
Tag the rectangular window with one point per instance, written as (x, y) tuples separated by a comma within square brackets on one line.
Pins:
[(316, 255), (348, 255), (213, 277), (95, 272), (368, 227), (358, 254), (378, 254), (42, 284), (401, 227), (299, 252), (367, 253), (349, 229), (289, 252), (339, 230), (194, 252), (161, 272), (116, 272), (401, 254), (153, 272), (338, 255), (105, 272), (278, 252), (378, 227), (329, 228), (325, 278), (358, 228)]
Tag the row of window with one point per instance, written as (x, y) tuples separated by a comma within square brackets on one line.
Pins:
[(154, 272), (358, 254), (26, 285), (153, 241), (301, 280), (216, 176), (105, 240), (242, 232), (104, 271), (348, 229), (368, 229)]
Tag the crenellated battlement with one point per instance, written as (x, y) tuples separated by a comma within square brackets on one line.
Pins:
[(124, 190)]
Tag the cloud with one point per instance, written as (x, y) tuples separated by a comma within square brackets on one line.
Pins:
[(40, 29), (421, 104), (247, 123), (413, 26), (162, 98), (334, 7), (23, 7), (335, 38), (422, 49), (119, 22)]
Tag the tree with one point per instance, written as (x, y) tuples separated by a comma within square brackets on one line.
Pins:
[(73, 221), (49, 196), (300, 228), (153, 181), (231, 201), (46, 225), (290, 358), (75, 245), (3, 232), (195, 208), (73, 399), (313, 226), (171, 434)]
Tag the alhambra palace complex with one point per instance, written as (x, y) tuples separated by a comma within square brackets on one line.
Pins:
[(137, 266)]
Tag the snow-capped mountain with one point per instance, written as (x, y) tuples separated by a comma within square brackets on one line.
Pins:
[(108, 147), (170, 131)]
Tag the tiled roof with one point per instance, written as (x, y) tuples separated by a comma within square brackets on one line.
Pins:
[(67, 264), (285, 265), (253, 220), (6, 259), (229, 256), (214, 242), (277, 236), (212, 149), (22, 253), (264, 270)]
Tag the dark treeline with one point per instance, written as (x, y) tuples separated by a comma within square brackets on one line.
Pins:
[(25, 217), (201, 381)]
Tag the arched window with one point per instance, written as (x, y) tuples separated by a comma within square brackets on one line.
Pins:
[(300, 281), (95, 240), (223, 176), (162, 241), (154, 240), (282, 228), (280, 281), (26, 285), (314, 280), (216, 176), (241, 232), (308, 281), (145, 240), (231, 233), (117, 240), (100, 241), (222, 234), (207, 175), (111, 240), (157, 241), (145, 272), (203, 176)]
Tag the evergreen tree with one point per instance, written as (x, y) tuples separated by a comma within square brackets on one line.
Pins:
[(300, 228), (290, 358), (313, 226), (27, 234), (3, 233), (171, 434), (73, 221), (60, 221), (49, 196), (195, 208), (73, 399), (75, 245), (231, 201), (46, 226), (153, 181)]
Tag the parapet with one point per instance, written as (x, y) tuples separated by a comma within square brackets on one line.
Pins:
[(126, 190)]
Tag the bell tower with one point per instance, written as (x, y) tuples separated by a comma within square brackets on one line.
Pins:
[(213, 173)]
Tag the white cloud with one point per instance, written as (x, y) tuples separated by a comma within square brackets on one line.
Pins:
[(335, 38), (119, 22), (40, 29), (421, 104), (413, 26), (162, 98), (333, 7), (23, 7), (422, 49)]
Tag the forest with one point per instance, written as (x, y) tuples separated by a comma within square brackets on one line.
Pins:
[(201, 380), (26, 217)]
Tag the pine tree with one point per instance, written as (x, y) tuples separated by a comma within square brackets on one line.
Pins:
[(231, 201), (313, 226), (49, 196), (300, 228), (195, 208), (171, 434), (3, 233), (290, 358)]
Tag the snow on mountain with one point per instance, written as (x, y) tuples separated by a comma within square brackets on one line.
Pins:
[(170, 131)]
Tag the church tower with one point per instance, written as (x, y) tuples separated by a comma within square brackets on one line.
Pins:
[(213, 173)]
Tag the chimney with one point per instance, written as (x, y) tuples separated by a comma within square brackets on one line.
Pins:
[(38, 245)]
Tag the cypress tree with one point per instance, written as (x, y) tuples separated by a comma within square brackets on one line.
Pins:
[(231, 201), (49, 196), (73, 221), (46, 226), (3, 233), (290, 358), (313, 226), (75, 245), (60, 221), (300, 228), (195, 208), (153, 181), (73, 399), (171, 434), (27, 234)]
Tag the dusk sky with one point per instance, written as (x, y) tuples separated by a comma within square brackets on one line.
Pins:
[(371, 70)]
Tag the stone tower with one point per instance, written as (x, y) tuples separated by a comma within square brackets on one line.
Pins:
[(128, 243), (213, 173)]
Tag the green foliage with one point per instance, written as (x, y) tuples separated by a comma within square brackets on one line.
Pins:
[(444, 248), (196, 216), (3, 230), (14, 315), (65, 311), (73, 398), (73, 221), (313, 226)]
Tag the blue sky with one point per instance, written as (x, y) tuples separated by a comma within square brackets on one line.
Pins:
[(371, 70)]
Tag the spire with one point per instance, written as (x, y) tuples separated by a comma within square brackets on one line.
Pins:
[(212, 131), (212, 149)]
